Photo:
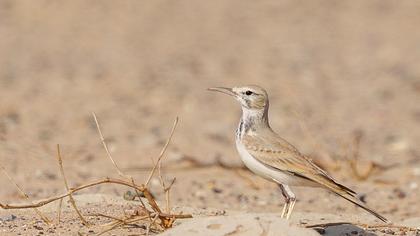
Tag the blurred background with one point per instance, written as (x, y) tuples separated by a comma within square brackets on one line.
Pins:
[(332, 69)]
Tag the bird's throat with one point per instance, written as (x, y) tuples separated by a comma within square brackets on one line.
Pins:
[(252, 121)]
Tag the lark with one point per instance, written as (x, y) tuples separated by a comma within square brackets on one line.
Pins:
[(270, 156)]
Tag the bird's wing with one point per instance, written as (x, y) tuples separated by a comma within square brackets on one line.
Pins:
[(277, 153)]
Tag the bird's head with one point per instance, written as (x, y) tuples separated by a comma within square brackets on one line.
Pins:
[(251, 97)]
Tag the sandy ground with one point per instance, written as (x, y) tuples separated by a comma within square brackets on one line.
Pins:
[(332, 68)]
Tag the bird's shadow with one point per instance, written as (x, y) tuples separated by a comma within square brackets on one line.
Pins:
[(344, 229)]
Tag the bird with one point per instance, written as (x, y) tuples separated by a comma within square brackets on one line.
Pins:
[(270, 156)]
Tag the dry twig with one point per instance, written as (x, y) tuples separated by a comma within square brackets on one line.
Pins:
[(37, 211), (72, 191), (353, 158), (73, 203), (149, 226), (152, 172), (105, 145), (106, 148), (60, 205), (165, 219)]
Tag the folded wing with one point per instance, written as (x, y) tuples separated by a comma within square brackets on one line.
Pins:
[(278, 154)]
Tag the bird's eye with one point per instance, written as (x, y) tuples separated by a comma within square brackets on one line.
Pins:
[(248, 92)]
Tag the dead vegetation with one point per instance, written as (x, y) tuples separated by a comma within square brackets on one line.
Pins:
[(148, 214)]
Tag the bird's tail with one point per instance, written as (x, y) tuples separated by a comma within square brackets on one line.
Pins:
[(351, 196), (356, 201), (345, 192)]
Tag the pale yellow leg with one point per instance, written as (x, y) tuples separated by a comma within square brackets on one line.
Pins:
[(292, 205), (290, 201), (285, 207)]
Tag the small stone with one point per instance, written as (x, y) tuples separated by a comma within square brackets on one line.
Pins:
[(217, 190), (320, 230), (8, 218), (399, 193), (129, 196), (398, 145), (45, 174), (416, 171), (200, 193), (155, 182), (262, 203), (214, 226), (389, 231), (413, 185), (362, 197)]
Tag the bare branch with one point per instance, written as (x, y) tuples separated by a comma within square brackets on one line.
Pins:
[(165, 219), (38, 212), (73, 203), (106, 147), (149, 226), (60, 204), (152, 172), (73, 190)]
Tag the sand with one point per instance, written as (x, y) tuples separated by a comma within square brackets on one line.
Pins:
[(333, 70)]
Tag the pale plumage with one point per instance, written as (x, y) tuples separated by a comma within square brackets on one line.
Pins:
[(267, 154)]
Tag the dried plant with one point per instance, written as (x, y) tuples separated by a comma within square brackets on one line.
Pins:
[(153, 218)]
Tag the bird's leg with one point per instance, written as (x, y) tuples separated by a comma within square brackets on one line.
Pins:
[(291, 206), (290, 198), (287, 201), (285, 206)]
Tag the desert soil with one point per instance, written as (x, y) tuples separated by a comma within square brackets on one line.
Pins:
[(334, 70)]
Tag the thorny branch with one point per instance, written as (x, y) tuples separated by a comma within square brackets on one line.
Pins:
[(166, 219), (106, 147), (71, 191), (158, 163), (73, 203), (37, 211)]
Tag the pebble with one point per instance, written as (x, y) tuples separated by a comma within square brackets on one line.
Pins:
[(38, 227), (200, 194), (155, 182), (320, 230), (217, 190), (129, 196), (398, 144), (389, 231), (399, 193), (413, 185), (416, 171), (8, 218), (362, 197), (262, 203)]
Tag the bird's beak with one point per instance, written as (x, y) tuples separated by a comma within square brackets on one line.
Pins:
[(224, 90)]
